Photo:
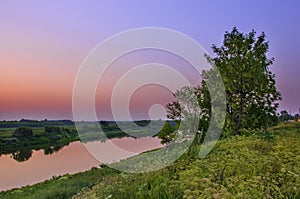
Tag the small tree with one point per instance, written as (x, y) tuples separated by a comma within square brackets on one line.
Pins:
[(284, 116), (167, 133), (52, 129), (23, 132)]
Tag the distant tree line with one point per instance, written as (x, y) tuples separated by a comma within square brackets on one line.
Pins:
[(34, 123)]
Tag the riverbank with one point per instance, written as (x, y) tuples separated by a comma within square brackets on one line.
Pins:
[(238, 167), (59, 133)]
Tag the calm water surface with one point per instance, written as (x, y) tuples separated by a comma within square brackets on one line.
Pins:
[(70, 159)]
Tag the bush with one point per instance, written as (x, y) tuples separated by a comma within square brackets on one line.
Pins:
[(23, 132)]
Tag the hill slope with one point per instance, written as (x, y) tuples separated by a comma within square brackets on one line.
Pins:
[(253, 166)]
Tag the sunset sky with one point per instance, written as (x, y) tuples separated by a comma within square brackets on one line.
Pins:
[(43, 43)]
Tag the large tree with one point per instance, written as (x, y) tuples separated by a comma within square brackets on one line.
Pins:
[(251, 93)]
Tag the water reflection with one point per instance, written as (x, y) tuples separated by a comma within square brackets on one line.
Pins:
[(26, 153), (22, 156), (51, 149), (24, 167)]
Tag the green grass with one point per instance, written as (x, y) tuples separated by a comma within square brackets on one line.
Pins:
[(61, 186), (238, 167), (6, 132)]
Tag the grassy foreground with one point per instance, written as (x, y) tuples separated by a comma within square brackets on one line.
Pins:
[(249, 166)]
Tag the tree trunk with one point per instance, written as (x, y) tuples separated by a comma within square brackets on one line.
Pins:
[(240, 116)]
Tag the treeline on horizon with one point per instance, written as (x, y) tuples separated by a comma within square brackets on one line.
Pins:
[(34, 123), (45, 122)]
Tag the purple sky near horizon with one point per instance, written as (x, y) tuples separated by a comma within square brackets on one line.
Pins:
[(43, 43)]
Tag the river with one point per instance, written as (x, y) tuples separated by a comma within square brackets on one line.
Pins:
[(70, 159)]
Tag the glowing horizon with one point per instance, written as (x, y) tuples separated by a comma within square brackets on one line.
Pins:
[(42, 51)]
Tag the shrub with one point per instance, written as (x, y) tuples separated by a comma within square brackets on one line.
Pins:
[(23, 132)]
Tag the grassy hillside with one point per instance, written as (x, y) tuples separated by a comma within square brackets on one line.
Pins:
[(250, 166)]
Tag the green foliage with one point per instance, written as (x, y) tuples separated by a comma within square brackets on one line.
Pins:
[(25, 138), (23, 132), (53, 129), (167, 133), (243, 167), (284, 116), (198, 110), (250, 86), (251, 94), (149, 185), (260, 133)]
